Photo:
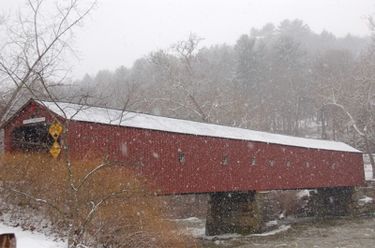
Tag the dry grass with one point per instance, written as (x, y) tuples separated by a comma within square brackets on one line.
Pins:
[(132, 218)]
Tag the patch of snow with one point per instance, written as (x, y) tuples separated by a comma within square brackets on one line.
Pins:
[(218, 242), (196, 232), (282, 215), (196, 226), (282, 228), (28, 239), (200, 233), (146, 121), (223, 236), (303, 193), (365, 200), (226, 236), (271, 223), (190, 219)]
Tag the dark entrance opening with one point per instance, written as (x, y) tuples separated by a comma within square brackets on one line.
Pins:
[(32, 138)]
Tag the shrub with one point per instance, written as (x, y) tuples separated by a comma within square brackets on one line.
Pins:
[(111, 207)]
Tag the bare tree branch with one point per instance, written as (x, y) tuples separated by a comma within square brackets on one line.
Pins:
[(38, 200)]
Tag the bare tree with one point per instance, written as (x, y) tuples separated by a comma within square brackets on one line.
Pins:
[(30, 59), (34, 46), (347, 94), (352, 93), (362, 132), (182, 82), (187, 49), (36, 43)]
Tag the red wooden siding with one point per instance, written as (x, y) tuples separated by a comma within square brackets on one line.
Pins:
[(155, 155)]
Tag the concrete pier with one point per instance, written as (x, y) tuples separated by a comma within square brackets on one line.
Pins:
[(234, 212), (332, 202)]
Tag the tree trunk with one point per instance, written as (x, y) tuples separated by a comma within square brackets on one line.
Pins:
[(368, 151), (324, 134)]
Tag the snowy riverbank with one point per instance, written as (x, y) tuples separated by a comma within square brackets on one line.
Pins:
[(29, 239)]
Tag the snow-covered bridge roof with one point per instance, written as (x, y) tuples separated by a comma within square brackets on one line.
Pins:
[(146, 121)]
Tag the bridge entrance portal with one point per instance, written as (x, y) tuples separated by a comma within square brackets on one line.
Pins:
[(32, 138)]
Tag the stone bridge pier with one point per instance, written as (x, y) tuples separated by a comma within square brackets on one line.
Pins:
[(232, 212), (238, 212), (336, 201)]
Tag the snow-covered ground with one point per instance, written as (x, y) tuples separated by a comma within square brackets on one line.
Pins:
[(365, 200), (28, 239)]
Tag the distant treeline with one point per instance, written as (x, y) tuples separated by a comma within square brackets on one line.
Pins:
[(284, 79)]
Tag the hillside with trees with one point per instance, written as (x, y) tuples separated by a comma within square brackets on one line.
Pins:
[(282, 78)]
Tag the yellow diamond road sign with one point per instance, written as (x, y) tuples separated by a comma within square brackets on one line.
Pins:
[(55, 130), (55, 149)]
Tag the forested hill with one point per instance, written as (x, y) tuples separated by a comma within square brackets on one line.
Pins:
[(281, 78)]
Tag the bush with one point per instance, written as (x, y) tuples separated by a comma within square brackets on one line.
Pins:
[(126, 214)]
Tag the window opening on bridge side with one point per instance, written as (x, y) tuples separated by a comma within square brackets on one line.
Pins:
[(181, 157), (32, 138), (333, 166), (271, 162), (307, 164), (225, 160), (253, 161)]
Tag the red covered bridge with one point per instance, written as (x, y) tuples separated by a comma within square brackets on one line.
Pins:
[(180, 156)]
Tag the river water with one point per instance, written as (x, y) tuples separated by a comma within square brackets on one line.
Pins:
[(307, 233)]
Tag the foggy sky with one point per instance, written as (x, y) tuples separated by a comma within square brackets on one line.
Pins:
[(120, 31)]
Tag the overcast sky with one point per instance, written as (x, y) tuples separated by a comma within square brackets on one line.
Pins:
[(120, 31)]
